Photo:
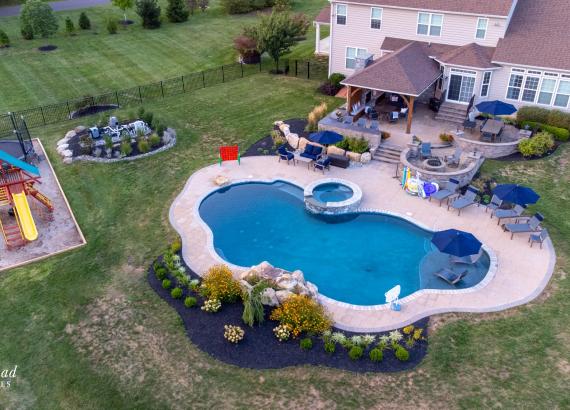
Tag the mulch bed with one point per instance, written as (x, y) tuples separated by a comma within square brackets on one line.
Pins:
[(265, 145), (47, 48), (517, 156), (126, 22), (260, 349), (94, 109)]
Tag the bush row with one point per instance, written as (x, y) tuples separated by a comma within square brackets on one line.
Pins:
[(555, 119)]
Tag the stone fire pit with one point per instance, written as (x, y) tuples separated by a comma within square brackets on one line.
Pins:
[(434, 164)]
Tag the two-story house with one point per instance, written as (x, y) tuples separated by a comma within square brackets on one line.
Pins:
[(462, 51)]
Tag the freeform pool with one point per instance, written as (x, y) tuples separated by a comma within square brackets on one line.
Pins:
[(352, 258)]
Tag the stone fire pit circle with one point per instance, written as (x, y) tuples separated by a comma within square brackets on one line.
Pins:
[(433, 164)]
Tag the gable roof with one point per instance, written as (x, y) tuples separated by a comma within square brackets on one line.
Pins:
[(408, 71), (324, 15), (537, 36), (500, 8)]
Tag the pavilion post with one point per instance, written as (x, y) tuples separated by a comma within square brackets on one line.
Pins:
[(410, 103), (318, 39)]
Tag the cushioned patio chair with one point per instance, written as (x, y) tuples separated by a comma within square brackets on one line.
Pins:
[(531, 224), (450, 189), (453, 160), (538, 237), (322, 164), (494, 205), (465, 201), (425, 150), (313, 152), (450, 276), (394, 116), (501, 214), (285, 155)]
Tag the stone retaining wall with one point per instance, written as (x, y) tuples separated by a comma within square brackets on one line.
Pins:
[(489, 149)]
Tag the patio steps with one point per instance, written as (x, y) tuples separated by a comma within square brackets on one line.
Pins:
[(389, 153), (454, 113)]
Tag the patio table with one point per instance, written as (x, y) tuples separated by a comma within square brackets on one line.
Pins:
[(306, 160), (492, 127)]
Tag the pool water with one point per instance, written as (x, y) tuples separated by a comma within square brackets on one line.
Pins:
[(351, 258), (332, 192)]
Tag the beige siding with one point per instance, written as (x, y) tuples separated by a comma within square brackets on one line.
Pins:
[(457, 30)]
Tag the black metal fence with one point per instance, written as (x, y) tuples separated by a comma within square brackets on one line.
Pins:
[(65, 110)]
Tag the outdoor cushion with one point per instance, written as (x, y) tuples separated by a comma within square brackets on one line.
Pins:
[(302, 143), (308, 149), (333, 150), (317, 150)]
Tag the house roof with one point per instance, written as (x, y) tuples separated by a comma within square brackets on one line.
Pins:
[(485, 7), (408, 71), (324, 15), (537, 36)]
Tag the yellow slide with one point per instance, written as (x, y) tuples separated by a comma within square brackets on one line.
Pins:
[(27, 224)]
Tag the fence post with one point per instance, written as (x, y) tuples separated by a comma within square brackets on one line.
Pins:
[(241, 65), (140, 94), (308, 70), (296, 68), (223, 75), (43, 116), (183, 86), (117, 98), (162, 90), (203, 80), (68, 110)]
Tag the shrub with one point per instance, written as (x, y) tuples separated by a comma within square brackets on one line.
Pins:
[(282, 332), (148, 117), (219, 283), (336, 78), (212, 305), (244, 6), (160, 130), (149, 12), (306, 343), (376, 355), (84, 23), (538, 145), (27, 32), (190, 301), (317, 114), (402, 354), (253, 310), (176, 293), (154, 140), (166, 283), (194, 285), (355, 352), (358, 145), (233, 333), (4, 39), (112, 26), (385, 135), (176, 246), (177, 11), (302, 314), (203, 4), (143, 146), (344, 144), (278, 139), (444, 137), (37, 18), (553, 118), (330, 347), (69, 26), (126, 148), (160, 273)]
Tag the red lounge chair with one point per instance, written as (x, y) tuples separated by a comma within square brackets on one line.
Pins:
[(229, 153)]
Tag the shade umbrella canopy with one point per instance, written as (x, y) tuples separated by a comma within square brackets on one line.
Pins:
[(496, 108), (516, 194), (456, 243), (326, 137)]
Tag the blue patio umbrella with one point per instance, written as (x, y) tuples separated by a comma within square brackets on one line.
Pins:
[(516, 194), (456, 243), (326, 137), (496, 108)]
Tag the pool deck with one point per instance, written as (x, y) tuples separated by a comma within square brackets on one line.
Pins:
[(518, 273)]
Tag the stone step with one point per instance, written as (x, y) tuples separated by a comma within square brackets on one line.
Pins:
[(390, 149), (387, 160), (448, 118), (461, 114)]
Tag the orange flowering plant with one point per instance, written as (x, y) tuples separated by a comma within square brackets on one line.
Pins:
[(219, 283), (300, 314)]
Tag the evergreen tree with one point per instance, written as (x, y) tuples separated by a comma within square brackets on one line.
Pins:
[(149, 11), (84, 22), (177, 11), (204, 4), (4, 39), (37, 19), (69, 26)]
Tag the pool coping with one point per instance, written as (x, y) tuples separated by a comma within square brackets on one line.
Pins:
[(336, 207), (329, 302)]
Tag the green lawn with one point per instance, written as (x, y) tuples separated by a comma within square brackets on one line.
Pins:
[(94, 61), (86, 331)]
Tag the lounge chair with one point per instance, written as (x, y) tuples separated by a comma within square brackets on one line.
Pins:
[(531, 224), (322, 164), (538, 237), (465, 201), (453, 160), (313, 152), (450, 276), (467, 260), (449, 190), (494, 205), (501, 214), (425, 150), (285, 155), (394, 116)]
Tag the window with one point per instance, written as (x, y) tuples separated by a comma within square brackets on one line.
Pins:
[(352, 53), (563, 94), (482, 24), (429, 24), (376, 18), (485, 84), (341, 14), (530, 88), (546, 91), (515, 84)]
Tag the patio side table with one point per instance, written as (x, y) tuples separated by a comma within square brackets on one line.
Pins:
[(299, 158)]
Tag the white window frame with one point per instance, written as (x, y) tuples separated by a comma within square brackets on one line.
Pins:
[(518, 72), (355, 56), (429, 24), (372, 19), (552, 93), (557, 93), (535, 76), (484, 29), (345, 15), (542, 76), (486, 84)]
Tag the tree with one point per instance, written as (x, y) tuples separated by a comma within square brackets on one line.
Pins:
[(124, 5), (84, 22), (69, 26), (177, 11), (37, 19), (4, 39), (192, 4), (278, 32), (149, 11), (204, 4)]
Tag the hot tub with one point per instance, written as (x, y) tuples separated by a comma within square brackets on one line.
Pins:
[(332, 196)]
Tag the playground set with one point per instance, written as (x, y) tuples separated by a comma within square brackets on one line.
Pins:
[(18, 181)]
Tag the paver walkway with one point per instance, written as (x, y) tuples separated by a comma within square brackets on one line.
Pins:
[(520, 273), (56, 6)]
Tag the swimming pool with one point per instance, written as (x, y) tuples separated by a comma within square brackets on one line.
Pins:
[(352, 258)]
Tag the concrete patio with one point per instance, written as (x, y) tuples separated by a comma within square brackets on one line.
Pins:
[(518, 273)]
